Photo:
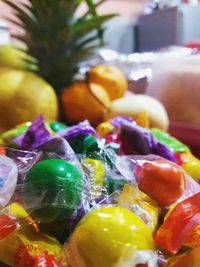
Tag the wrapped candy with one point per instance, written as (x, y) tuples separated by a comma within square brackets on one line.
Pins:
[(8, 179), (104, 236), (175, 229), (183, 154), (96, 172), (188, 259), (78, 187), (161, 179), (157, 177), (52, 190), (142, 205), (21, 242)]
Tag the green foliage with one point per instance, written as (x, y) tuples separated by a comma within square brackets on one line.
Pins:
[(56, 38)]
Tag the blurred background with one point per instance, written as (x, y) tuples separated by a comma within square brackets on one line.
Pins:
[(143, 25), (156, 44)]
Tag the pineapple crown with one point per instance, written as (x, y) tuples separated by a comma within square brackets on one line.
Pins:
[(56, 38)]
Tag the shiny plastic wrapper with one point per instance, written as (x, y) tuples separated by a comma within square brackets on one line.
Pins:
[(45, 195), (73, 196)]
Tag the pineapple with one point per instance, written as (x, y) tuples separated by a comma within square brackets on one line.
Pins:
[(56, 38)]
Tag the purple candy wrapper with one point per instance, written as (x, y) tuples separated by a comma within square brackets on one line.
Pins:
[(83, 128), (36, 135), (142, 139)]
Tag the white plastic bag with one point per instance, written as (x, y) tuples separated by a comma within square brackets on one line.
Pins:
[(176, 83)]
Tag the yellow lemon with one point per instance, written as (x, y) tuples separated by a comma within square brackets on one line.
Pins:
[(13, 57), (23, 97)]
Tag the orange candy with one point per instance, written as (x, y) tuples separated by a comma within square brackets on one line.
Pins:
[(181, 261), (162, 180)]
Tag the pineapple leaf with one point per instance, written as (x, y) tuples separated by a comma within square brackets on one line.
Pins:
[(91, 24), (56, 38)]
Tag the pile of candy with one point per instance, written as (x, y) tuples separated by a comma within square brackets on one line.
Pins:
[(120, 195)]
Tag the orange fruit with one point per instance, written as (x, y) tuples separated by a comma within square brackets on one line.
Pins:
[(83, 101), (111, 78), (23, 97)]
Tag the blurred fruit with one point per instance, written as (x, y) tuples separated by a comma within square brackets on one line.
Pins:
[(137, 104), (111, 78), (84, 101), (105, 235), (57, 37), (129, 93), (12, 57), (162, 180), (24, 96)]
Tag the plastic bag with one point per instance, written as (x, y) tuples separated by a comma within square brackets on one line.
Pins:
[(176, 84)]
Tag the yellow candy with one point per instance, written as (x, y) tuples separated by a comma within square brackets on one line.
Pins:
[(105, 235), (143, 120), (104, 129), (192, 166), (152, 210), (96, 171), (16, 210), (133, 199)]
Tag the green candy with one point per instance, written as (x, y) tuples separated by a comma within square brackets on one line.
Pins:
[(84, 144), (112, 185), (57, 126), (169, 141), (52, 187), (8, 137)]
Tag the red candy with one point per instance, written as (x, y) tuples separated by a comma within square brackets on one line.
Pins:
[(45, 260), (179, 223), (2, 151), (7, 226)]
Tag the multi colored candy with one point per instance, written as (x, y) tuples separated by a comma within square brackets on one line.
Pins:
[(118, 196), (21, 242)]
